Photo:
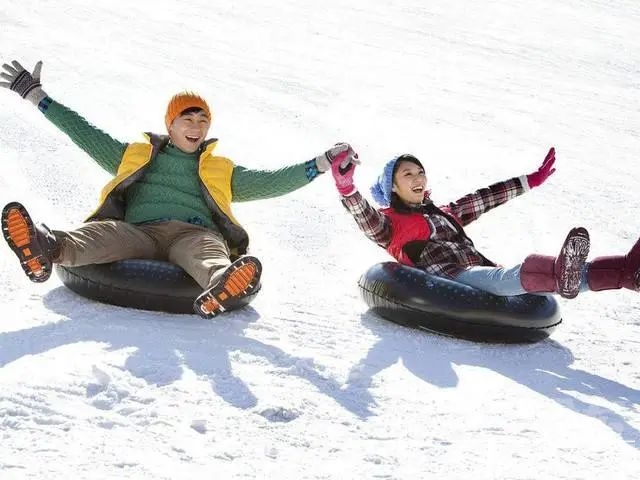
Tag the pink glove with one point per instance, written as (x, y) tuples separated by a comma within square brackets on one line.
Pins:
[(342, 169), (537, 178)]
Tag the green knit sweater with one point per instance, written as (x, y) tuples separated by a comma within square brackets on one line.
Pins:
[(170, 188)]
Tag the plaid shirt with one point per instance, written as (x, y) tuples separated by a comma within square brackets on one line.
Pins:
[(448, 250)]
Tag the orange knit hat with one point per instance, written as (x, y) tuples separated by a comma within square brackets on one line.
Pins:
[(182, 101)]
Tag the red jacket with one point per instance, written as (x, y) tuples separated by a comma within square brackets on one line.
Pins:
[(405, 228)]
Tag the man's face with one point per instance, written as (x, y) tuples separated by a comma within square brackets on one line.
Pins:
[(189, 130)]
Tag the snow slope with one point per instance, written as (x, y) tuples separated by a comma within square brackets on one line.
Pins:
[(305, 383)]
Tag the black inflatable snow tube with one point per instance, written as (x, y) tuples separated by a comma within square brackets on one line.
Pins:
[(142, 284), (413, 298)]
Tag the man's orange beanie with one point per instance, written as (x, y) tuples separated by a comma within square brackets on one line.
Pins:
[(182, 101)]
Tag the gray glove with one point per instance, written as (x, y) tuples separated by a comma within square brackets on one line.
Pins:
[(324, 161), (25, 84)]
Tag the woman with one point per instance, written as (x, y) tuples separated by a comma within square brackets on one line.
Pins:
[(419, 234)]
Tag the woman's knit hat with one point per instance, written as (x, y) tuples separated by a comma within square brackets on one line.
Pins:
[(181, 102), (382, 189)]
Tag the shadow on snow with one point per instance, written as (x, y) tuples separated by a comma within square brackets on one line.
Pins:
[(169, 343), (543, 367), (165, 344)]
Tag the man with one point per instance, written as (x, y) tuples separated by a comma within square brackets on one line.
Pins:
[(169, 199)]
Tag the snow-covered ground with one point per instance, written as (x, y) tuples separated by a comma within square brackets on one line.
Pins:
[(306, 384)]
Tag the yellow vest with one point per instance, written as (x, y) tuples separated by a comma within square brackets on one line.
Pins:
[(215, 180)]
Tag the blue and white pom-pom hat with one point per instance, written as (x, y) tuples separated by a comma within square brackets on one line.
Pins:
[(383, 188)]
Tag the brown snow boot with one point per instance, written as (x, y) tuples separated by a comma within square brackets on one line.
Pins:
[(616, 271), (239, 281), (35, 245), (561, 274)]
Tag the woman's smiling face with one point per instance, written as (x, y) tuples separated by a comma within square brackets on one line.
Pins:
[(409, 182)]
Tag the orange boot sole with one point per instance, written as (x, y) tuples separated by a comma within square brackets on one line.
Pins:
[(240, 279), (19, 232)]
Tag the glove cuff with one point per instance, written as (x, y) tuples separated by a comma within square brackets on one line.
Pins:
[(35, 95), (347, 190), (323, 163)]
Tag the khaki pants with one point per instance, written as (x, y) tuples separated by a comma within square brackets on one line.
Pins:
[(201, 252)]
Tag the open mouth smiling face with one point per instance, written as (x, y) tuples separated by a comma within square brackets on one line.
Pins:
[(410, 182), (189, 130)]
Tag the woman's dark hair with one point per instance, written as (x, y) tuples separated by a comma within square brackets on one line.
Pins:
[(396, 203)]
